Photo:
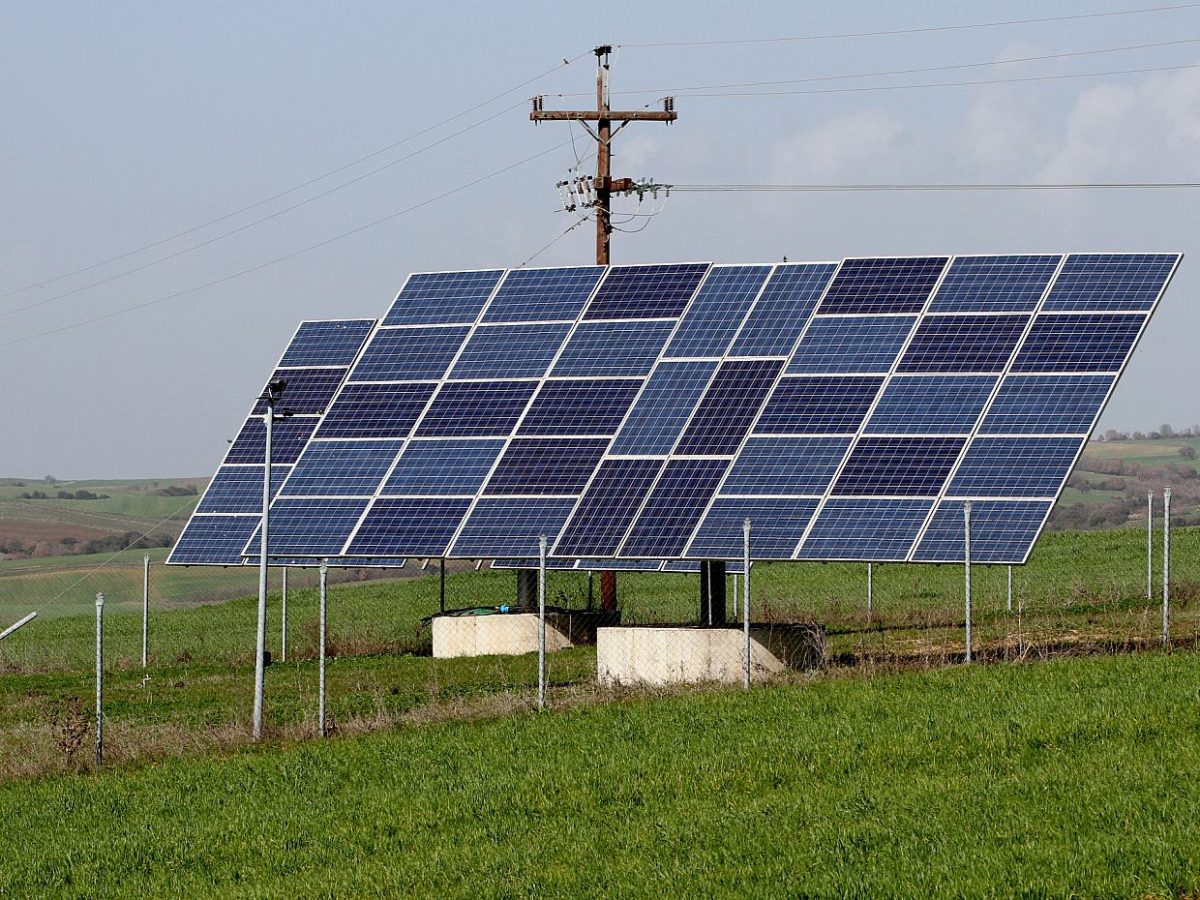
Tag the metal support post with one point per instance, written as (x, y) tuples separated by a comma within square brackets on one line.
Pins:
[(260, 641), (1149, 545), (967, 569), (1166, 590), (283, 586), (870, 591), (746, 604), (321, 638), (99, 680), (1010, 588), (542, 622), (145, 607), (442, 586)]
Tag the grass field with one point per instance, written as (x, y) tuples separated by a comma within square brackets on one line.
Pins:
[(1072, 778)]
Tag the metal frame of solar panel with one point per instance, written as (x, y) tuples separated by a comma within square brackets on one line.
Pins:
[(643, 412), (315, 363)]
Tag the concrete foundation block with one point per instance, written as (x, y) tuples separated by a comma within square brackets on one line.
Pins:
[(658, 656), (511, 634)]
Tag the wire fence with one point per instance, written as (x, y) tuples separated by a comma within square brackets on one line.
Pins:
[(418, 644)]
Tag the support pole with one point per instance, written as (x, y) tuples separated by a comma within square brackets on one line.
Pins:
[(870, 591), (321, 638), (25, 620), (1149, 545), (260, 642), (145, 607), (1010, 588), (746, 604), (712, 593), (967, 569), (99, 680), (442, 586), (542, 622), (1166, 590), (283, 586)]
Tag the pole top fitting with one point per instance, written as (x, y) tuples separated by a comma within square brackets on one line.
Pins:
[(603, 50), (99, 601)]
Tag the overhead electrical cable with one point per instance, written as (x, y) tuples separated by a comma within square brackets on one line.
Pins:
[(944, 187), (308, 183)]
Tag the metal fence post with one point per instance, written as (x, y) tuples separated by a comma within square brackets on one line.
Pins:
[(746, 604), (1166, 593), (542, 622), (870, 591), (145, 608), (1009, 607), (99, 680), (1149, 545), (321, 626), (967, 569), (283, 617)]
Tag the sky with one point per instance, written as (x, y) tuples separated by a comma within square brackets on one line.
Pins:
[(129, 124)]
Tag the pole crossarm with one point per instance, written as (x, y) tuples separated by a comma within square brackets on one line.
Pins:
[(595, 115)]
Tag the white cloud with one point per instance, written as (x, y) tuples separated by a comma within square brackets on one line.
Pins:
[(847, 145)]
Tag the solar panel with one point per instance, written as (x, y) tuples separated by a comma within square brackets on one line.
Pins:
[(641, 412), (315, 364)]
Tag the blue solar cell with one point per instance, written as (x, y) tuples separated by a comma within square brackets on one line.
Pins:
[(1002, 531), (889, 285), (449, 298), (674, 507), (546, 466), (511, 527), (786, 304), (476, 409), (730, 405), (375, 410), (238, 489), (851, 344), (963, 343), (717, 312), (1098, 282), (341, 468), (213, 540), (878, 530), (1083, 343), (528, 295), (308, 391), (646, 292), (607, 508), (327, 343), (510, 351), (819, 405), (936, 404), (786, 465), (443, 467), (425, 524), (1015, 467), (582, 407), (664, 407), (288, 438), (1047, 404), (409, 354), (776, 526), (904, 466), (994, 284), (621, 565), (311, 527), (692, 566), (613, 348)]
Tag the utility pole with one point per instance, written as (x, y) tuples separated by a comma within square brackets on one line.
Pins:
[(604, 186)]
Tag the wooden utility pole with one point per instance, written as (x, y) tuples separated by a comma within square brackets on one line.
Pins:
[(604, 185), (603, 133)]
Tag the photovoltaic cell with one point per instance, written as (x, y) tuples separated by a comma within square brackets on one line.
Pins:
[(895, 285), (311, 527), (583, 407), (1078, 343), (963, 344), (717, 312), (529, 295), (1047, 404), (783, 310), (1015, 467), (308, 391), (608, 507), (786, 465), (1099, 282), (674, 507), (443, 298), (239, 489), (333, 343), (514, 524), (902, 466), (409, 354), (338, 468), (729, 407), (287, 440), (663, 409), (865, 529), (646, 292), (851, 344), (375, 410), (995, 283), (938, 404), (818, 405), (511, 351), (476, 409), (613, 348), (781, 525), (426, 524), (1001, 530), (443, 467), (214, 540), (546, 466)]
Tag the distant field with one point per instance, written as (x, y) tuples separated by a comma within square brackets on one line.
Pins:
[(1072, 778)]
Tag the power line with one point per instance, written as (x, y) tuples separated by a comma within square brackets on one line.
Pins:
[(291, 190), (926, 29), (943, 187), (287, 256)]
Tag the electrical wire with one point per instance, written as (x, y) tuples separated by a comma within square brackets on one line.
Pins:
[(308, 183), (287, 256), (925, 29), (944, 187), (556, 239)]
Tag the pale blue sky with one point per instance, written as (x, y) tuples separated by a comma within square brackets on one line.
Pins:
[(128, 122)]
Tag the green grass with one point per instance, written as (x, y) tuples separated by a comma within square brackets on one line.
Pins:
[(1077, 777)]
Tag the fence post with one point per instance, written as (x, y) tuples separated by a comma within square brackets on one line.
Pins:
[(1149, 545), (1010, 588), (145, 608), (1166, 597), (283, 616), (746, 604), (321, 626), (99, 680), (870, 591), (967, 569), (542, 622)]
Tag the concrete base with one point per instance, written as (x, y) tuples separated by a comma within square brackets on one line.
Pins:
[(511, 634), (661, 656)]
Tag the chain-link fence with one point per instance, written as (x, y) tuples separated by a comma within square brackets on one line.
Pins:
[(420, 644)]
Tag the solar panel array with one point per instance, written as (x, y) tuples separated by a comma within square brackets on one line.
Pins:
[(641, 413), (315, 364)]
